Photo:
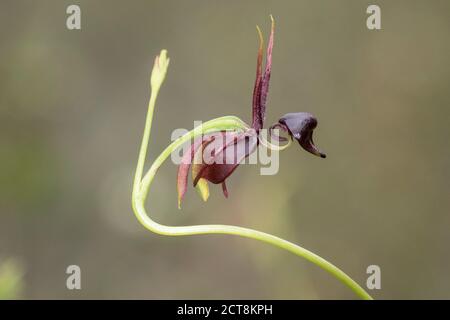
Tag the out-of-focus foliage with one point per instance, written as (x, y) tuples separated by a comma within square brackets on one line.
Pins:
[(11, 279)]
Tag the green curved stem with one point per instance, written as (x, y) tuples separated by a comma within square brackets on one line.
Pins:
[(141, 188)]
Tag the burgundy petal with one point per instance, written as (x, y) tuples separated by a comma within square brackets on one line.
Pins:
[(257, 121), (266, 77), (221, 158), (183, 168), (224, 189), (301, 126), (261, 87)]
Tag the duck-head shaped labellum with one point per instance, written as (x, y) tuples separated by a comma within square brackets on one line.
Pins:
[(300, 127), (215, 156)]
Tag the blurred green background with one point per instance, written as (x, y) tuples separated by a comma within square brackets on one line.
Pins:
[(72, 108)]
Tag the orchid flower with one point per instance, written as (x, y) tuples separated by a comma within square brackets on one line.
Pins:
[(210, 159), (214, 157)]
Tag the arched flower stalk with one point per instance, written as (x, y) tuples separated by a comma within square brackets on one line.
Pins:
[(243, 139)]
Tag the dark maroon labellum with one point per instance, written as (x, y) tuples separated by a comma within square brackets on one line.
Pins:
[(300, 126)]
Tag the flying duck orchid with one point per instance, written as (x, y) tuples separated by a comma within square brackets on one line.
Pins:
[(216, 149), (213, 157)]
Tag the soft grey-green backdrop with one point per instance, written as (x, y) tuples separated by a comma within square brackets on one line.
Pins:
[(72, 107)]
